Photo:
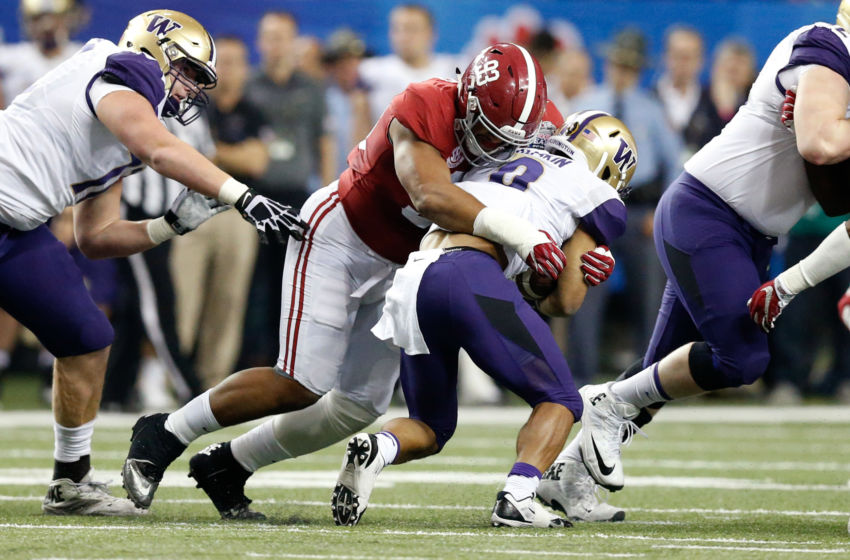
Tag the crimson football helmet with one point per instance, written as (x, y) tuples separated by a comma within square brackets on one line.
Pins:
[(501, 98)]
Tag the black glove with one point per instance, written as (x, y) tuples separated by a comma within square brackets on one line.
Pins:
[(269, 216), (190, 209)]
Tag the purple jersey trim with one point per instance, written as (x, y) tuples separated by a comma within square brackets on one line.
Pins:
[(606, 222), (139, 73), (88, 189), (821, 46)]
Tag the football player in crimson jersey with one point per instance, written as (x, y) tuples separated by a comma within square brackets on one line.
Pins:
[(456, 293), (68, 140), (361, 228)]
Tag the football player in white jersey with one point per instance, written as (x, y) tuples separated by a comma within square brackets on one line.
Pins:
[(455, 293), (715, 227), (67, 141)]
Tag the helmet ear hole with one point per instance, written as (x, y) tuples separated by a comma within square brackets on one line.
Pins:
[(606, 174)]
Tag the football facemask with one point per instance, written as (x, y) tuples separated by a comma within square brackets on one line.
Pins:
[(502, 98)]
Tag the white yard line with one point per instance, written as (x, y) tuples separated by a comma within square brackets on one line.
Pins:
[(756, 549), (391, 477), (437, 507), (715, 543), (322, 556), (555, 553)]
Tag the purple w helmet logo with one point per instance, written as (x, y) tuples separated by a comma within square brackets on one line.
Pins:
[(625, 157), (162, 25)]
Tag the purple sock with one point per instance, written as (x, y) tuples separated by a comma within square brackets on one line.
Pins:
[(524, 469), (522, 481)]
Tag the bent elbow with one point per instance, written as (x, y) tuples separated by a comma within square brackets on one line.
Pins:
[(428, 201), (89, 247), (820, 152)]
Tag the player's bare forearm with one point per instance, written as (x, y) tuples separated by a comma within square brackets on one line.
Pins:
[(571, 289), (119, 239), (448, 206), (101, 233), (425, 176), (822, 131), (131, 119)]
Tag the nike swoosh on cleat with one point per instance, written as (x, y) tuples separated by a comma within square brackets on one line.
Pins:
[(603, 468)]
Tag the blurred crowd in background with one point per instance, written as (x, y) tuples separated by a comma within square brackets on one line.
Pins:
[(189, 312)]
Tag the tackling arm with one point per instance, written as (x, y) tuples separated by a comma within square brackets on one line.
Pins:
[(571, 288), (425, 176), (823, 132)]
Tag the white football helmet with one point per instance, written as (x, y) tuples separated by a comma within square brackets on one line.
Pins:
[(603, 142)]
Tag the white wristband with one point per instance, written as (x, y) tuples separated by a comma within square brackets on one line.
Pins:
[(231, 190), (159, 231), (831, 257), (507, 230)]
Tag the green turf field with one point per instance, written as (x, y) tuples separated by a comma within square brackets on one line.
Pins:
[(710, 482)]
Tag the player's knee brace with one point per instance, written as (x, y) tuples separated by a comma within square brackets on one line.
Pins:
[(715, 370), (332, 418)]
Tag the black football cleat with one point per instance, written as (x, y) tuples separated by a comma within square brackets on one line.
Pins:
[(223, 479), (510, 512), (152, 449)]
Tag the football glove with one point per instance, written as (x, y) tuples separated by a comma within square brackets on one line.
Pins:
[(270, 217), (844, 308), (545, 257), (787, 113), (597, 265), (767, 303), (190, 209)]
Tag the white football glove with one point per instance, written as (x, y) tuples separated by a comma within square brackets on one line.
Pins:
[(190, 209)]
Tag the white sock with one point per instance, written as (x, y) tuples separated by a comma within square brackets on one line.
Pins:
[(572, 451), (332, 418), (258, 447), (642, 389), (5, 359), (521, 487), (193, 420), (387, 446), (72, 443)]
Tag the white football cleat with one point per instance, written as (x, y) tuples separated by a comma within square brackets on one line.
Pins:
[(606, 425), (510, 512), (569, 488), (65, 497), (360, 468)]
